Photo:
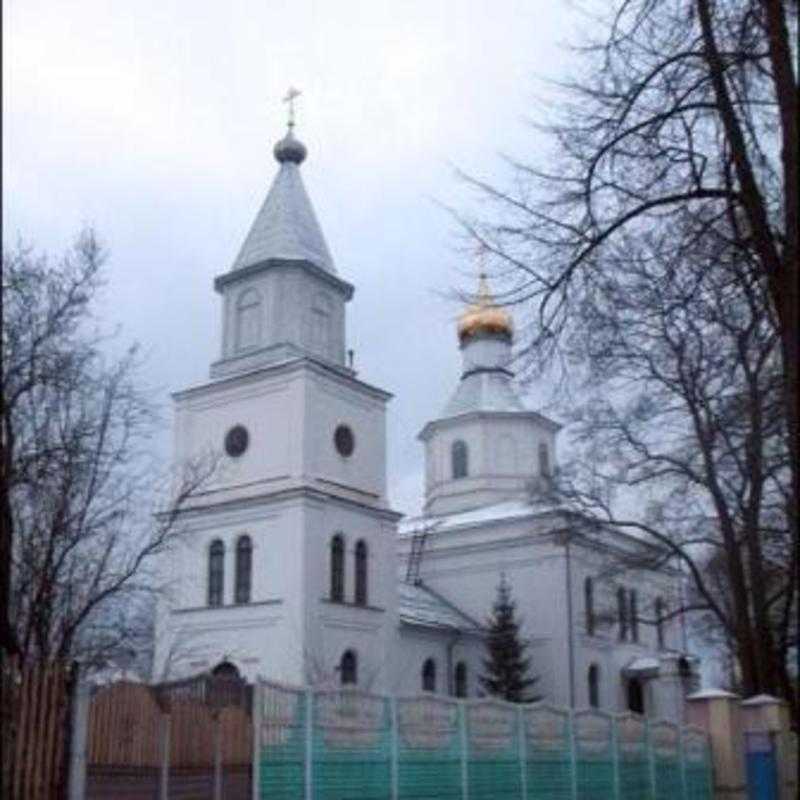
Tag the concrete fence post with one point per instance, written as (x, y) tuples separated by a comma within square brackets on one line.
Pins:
[(651, 759), (717, 712), (522, 749), (79, 739), (394, 744), (462, 724), (258, 703), (682, 763), (615, 758), (770, 716), (573, 756), (309, 746)]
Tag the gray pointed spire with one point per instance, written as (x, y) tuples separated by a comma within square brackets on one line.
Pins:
[(286, 227)]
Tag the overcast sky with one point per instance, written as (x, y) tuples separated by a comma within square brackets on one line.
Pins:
[(154, 122)]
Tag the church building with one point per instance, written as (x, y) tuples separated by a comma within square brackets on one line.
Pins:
[(292, 566)]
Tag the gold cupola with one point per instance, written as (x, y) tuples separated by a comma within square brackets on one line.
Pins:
[(484, 316)]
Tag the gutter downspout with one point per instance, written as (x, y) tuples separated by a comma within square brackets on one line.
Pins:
[(570, 627)]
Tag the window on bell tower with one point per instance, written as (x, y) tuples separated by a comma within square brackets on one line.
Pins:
[(460, 459), (248, 320)]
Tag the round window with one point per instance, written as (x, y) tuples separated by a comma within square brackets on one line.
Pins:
[(236, 440), (344, 440)]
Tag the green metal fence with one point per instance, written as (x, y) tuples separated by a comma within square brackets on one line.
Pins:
[(350, 745)]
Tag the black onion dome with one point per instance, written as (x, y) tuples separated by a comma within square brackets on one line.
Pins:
[(290, 149)]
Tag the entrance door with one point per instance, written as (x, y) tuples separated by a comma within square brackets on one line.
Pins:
[(762, 778)]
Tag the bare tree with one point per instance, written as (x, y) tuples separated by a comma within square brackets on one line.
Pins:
[(659, 250), (85, 510)]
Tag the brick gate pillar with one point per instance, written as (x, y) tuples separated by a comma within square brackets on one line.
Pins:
[(718, 712)]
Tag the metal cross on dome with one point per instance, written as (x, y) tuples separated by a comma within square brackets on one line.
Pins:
[(291, 96)]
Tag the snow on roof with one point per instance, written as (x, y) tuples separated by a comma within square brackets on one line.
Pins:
[(710, 694), (511, 509), (419, 605), (761, 700), (642, 665)]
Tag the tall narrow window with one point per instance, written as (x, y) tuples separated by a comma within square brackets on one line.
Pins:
[(460, 679), (216, 572), (244, 569), (337, 568), (594, 686), (460, 458), (248, 320), (634, 616), (361, 573), (588, 602), (429, 676), (622, 614), (544, 460), (348, 668), (660, 622)]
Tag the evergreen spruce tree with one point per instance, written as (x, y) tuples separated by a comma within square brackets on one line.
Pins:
[(506, 668)]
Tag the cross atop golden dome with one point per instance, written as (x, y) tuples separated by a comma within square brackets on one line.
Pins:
[(484, 315)]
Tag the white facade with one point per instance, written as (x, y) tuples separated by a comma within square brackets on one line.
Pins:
[(290, 561)]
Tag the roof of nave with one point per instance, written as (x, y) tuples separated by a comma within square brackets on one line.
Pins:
[(419, 605), (498, 512)]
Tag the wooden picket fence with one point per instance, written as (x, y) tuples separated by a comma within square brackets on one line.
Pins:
[(191, 739), (35, 699)]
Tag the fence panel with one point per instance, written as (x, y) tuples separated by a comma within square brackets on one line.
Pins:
[(37, 697), (429, 748), (633, 759), (435, 748), (493, 766), (351, 746), (282, 774), (665, 752), (547, 753), (697, 764), (594, 755)]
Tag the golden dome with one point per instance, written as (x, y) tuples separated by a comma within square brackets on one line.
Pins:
[(484, 315)]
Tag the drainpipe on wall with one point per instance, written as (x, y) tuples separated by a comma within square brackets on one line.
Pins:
[(566, 535)]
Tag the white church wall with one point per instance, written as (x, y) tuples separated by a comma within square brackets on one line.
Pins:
[(270, 411), (334, 627), (193, 631), (328, 403)]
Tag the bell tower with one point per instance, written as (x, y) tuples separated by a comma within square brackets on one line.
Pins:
[(286, 560)]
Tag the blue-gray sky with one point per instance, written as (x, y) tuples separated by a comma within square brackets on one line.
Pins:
[(154, 121)]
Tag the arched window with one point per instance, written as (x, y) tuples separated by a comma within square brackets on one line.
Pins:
[(635, 696), (594, 686), (337, 568), (622, 614), (429, 676), (244, 569), (460, 457), (588, 602), (634, 616), (248, 320), (320, 324), (225, 670), (460, 679), (348, 668), (361, 573), (216, 572), (544, 460), (660, 622)]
